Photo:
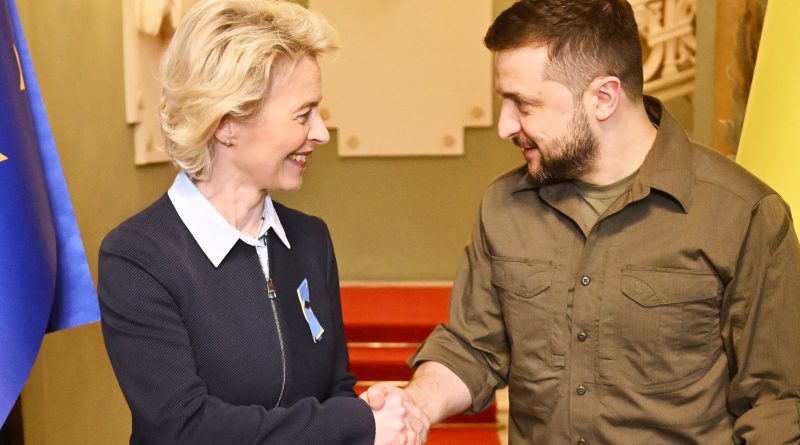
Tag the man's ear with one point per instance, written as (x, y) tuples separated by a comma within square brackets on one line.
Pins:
[(225, 133), (605, 96)]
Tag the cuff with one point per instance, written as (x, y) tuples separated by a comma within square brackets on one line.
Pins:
[(352, 421), (445, 347)]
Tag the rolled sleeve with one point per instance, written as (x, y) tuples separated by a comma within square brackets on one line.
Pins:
[(473, 345), (762, 330)]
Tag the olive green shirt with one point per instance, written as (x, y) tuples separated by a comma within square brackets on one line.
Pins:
[(595, 199), (674, 320)]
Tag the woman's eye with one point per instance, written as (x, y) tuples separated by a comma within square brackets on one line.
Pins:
[(304, 116)]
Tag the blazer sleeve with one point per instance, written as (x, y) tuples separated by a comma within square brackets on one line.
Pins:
[(151, 355), (344, 381)]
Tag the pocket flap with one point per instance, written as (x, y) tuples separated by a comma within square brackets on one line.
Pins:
[(659, 286), (522, 276)]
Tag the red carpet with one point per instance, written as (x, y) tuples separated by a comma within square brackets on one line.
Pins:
[(384, 326)]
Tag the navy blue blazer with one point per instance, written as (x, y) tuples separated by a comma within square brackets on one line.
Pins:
[(203, 356)]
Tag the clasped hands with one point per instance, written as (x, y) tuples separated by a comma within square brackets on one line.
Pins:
[(398, 420)]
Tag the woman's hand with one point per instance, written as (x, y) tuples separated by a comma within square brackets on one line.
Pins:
[(399, 422)]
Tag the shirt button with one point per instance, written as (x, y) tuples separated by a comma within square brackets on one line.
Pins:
[(582, 336), (585, 280), (582, 442), (581, 390)]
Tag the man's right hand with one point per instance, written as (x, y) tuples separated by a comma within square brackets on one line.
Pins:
[(435, 390), (398, 421)]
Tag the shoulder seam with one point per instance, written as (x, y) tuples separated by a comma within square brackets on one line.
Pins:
[(734, 192)]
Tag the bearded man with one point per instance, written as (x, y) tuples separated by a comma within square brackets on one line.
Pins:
[(627, 284)]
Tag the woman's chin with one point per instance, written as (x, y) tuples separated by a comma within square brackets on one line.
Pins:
[(292, 186)]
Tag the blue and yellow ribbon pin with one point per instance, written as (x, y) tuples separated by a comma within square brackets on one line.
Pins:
[(311, 319)]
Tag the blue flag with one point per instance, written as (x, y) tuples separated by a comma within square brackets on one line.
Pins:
[(45, 283)]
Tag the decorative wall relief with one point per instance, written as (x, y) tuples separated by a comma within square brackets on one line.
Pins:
[(748, 37), (667, 29), (737, 35), (410, 75), (147, 27)]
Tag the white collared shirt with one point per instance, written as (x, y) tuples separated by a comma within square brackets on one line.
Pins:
[(215, 236)]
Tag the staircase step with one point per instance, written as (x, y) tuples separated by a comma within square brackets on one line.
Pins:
[(376, 364), (393, 313), (384, 325), (463, 436)]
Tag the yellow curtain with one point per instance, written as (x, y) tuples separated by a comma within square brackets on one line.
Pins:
[(770, 144)]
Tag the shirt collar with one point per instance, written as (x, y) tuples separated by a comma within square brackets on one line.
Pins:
[(667, 166), (215, 236)]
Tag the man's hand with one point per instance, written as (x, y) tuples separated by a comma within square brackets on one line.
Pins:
[(396, 413), (435, 393), (376, 395), (435, 389)]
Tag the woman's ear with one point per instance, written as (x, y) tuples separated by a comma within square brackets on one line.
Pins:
[(605, 94), (225, 132)]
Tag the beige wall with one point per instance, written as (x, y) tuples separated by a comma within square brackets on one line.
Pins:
[(391, 219)]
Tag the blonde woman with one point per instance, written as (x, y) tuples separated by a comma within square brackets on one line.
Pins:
[(220, 307)]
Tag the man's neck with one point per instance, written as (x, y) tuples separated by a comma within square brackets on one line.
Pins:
[(623, 143)]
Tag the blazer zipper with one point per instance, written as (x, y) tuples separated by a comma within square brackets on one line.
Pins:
[(272, 295)]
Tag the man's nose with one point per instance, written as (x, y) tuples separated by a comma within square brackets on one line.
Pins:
[(508, 123)]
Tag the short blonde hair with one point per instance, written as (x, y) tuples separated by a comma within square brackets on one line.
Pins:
[(219, 64)]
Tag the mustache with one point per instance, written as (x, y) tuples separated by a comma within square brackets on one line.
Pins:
[(523, 142)]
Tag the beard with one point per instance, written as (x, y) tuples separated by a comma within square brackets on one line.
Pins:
[(568, 156)]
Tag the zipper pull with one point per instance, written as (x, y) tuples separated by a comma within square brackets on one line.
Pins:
[(271, 289)]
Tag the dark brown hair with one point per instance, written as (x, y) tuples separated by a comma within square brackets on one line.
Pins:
[(585, 39)]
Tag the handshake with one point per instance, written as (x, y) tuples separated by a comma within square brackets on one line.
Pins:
[(398, 419), (404, 416)]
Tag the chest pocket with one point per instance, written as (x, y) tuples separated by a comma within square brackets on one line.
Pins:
[(667, 326), (522, 286), (522, 277)]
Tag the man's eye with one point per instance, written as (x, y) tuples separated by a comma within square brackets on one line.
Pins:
[(526, 106)]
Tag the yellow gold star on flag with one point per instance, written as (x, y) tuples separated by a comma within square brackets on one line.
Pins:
[(2, 157)]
